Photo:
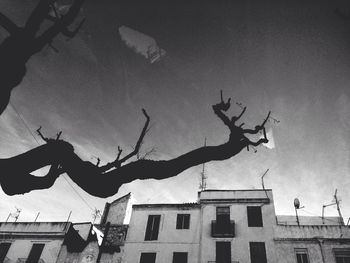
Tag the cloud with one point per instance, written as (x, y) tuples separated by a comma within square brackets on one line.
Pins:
[(141, 44)]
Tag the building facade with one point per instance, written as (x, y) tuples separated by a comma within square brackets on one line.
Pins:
[(42, 242), (232, 226), (223, 226)]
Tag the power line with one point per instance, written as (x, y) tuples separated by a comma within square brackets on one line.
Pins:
[(29, 130), (25, 124)]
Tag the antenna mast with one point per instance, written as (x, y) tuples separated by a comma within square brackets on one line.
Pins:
[(341, 220), (336, 202), (203, 183)]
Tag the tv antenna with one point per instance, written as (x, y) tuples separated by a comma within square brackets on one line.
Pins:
[(15, 215), (96, 214), (262, 182), (297, 207), (336, 202), (203, 182)]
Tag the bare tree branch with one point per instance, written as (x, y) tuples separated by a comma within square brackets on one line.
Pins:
[(41, 135), (38, 16), (106, 180), (7, 24), (23, 42), (117, 163)]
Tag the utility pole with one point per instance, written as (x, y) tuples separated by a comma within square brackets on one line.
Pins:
[(203, 183)]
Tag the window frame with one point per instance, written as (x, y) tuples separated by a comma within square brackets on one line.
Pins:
[(6, 248), (183, 253), (31, 252), (250, 251), (301, 251), (152, 236), (340, 251), (250, 219), (153, 253), (181, 221)]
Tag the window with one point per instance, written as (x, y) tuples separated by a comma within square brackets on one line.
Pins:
[(152, 228), (4, 248), (223, 252), (180, 257), (302, 256), (35, 253), (148, 257), (254, 216), (183, 221), (223, 219), (342, 255), (257, 252)]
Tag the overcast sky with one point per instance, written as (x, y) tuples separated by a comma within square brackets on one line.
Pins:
[(290, 57)]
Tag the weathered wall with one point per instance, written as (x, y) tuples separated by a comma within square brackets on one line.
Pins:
[(285, 250), (238, 202), (324, 231), (88, 255), (169, 240), (23, 235), (117, 211), (316, 239), (21, 247)]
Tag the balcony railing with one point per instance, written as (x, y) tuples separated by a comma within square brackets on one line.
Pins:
[(24, 260), (223, 230)]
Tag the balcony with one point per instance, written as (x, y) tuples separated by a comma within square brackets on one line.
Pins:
[(222, 229), (24, 260)]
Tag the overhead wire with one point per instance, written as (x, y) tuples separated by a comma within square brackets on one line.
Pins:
[(31, 133)]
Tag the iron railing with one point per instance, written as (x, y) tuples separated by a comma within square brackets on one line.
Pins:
[(222, 230)]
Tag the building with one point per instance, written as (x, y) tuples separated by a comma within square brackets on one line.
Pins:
[(42, 242), (65, 242), (232, 226), (223, 226)]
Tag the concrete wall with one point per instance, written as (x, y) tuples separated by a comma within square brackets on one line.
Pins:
[(20, 248), (285, 250), (317, 239), (22, 236), (169, 240), (238, 202), (322, 231), (117, 211)]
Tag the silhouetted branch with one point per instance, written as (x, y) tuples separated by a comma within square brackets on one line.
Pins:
[(41, 135), (7, 24), (105, 181), (117, 162), (24, 42), (38, 16)]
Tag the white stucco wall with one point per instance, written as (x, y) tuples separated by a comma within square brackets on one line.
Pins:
[(169, 240), (20, 248), (22, 236), (315, 239), (238, 202)]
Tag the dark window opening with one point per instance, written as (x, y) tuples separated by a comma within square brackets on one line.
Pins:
[(342, 255), (35, 253), (301, 254), (254, 216), (152, 228), (148, 258), (4, 248), (257, 252), (223, 219), (180, 257), (183, 221), (223, 252)]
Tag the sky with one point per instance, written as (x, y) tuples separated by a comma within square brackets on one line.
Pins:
[(290, 57)]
